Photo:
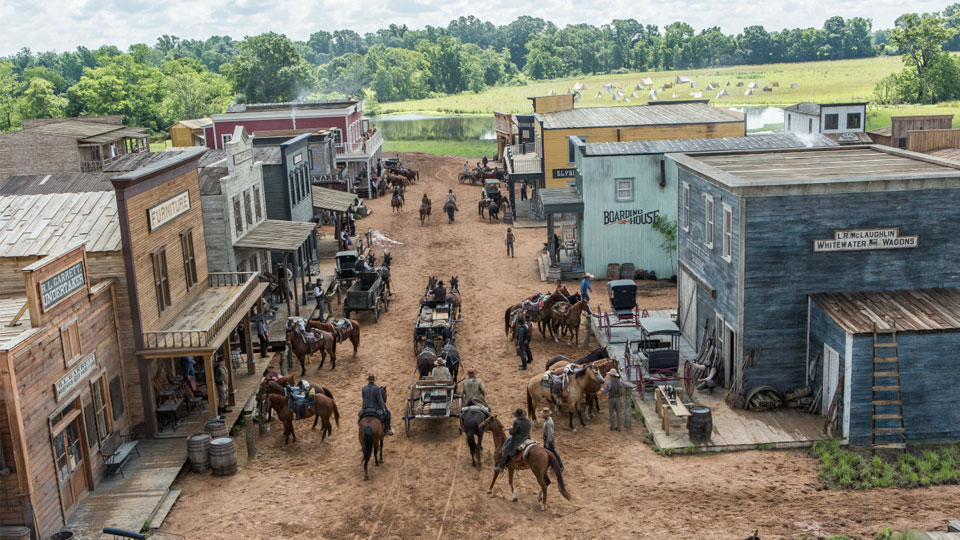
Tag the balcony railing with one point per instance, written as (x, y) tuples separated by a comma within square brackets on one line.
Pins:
[(184, 338), (367, 146)]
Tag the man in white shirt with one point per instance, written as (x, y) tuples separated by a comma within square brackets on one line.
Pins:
[(318, 295)]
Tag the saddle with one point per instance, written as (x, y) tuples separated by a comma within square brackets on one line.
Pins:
[(530, 308), (562, 308), (556, 383), (342, 327), (524, 449), (368, 412), (299, 401), (481, 408), (312, 339)]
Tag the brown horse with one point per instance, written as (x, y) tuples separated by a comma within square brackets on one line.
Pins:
[(427, 359), (424, 213), (304, 343), (482, 205), (353, 334), (396, 203), (538, 460), (508, 321), (592, 388), (454, 297), (321, 411), (539, 395), (569, 320), (371, 437)]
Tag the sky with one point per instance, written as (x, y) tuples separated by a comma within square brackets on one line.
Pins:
[(63, 24)]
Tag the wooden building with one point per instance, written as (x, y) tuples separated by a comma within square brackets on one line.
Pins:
[(557, 120), (189, 132), (321, 153), (61, 389), (898, 133), (843, 122), (766, 239), (625, 186), (69, 145)]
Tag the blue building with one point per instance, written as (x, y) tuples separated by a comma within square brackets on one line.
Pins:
[(802, 252)]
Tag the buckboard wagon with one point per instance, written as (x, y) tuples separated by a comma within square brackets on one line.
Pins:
[(434, 322), (431, 398), (367, 294)]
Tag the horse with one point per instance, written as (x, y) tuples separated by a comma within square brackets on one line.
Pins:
[(538, 394), (570, 320), (370, 430), (303, 346), (427, 359), (493, 212), (424, 213), (450, 207), (396, 203), (323, 407), (597, 354), (481, 206), (538, 460), (557, 363), (451, 355), (542, 317), (470, 426), (353, 335), (510, 310), (454, 297)]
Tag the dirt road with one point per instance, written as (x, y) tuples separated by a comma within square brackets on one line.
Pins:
[(427, 488)]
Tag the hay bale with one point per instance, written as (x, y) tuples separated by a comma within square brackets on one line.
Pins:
[(749, 92), (794, 86)]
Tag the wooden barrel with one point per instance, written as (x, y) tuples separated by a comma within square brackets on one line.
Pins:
[(216, 429), (223, 456), (627, 271), (700, 424), (198, 451), (14, 532), (613, 271)]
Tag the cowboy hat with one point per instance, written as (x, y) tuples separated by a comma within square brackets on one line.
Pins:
[(546, 411), (439, 362), (613, 373), (471, 371), (588, 275), (371, 377)]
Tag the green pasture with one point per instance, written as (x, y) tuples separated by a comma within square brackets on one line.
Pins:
[(473, 148)]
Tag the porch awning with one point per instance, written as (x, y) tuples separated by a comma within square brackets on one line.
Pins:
[(277, 235), (331, 199), (561, 200)]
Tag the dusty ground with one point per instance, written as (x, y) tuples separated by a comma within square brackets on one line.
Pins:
[(427, 488)]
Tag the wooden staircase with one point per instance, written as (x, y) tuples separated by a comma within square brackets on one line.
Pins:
[(888, 431)]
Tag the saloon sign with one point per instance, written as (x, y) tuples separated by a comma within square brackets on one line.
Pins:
[(866, 239), (166, 211), (629, 217)]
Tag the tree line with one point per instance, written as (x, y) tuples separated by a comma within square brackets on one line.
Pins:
[(174, 79)]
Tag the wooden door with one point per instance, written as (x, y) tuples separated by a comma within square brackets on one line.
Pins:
[(687, 308), (831, 375), (69, 459), (730, 350)]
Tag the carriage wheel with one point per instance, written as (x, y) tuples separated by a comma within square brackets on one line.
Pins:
[(461, 178), (688, 381), (641, 389), (406, 418), (376, 312)]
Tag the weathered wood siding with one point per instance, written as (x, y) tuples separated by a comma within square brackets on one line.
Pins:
[(934, 139), (181, 135), (29, 152), (276, 193), (556, 147), (11, 508), (216, 225), (547, 104), (823, 331)]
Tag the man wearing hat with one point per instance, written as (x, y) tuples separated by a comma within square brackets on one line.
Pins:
[(372, 400), (220, 377), (510, 239), (473, 391), (524, 333), (613, 388), (440, 371), (439, 292), (585, 286), (548, 440), (519, 432)]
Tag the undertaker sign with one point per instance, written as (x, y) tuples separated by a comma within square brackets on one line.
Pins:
[(629, 217)]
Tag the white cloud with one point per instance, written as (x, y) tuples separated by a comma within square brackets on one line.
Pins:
[(65, 24)]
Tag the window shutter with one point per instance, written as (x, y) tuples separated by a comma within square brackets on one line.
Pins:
[(116, 397)]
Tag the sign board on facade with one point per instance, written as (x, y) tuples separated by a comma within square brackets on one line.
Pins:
[(866, 239), (61, 285), (79, 372), (165, 212), (629, 217), (297, 159), (848, 138), (564, 173), (240, 157)]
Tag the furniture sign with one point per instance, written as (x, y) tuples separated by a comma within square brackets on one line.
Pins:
[(75, 376), (240, 157), (165, 212), (61, 285), (866, 239), (564, 173)]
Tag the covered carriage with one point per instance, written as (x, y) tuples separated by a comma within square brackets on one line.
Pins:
[(367, 294), (655, 359), (435, 321)]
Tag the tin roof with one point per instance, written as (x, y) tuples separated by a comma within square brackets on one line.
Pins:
[(33, 225), (305, 105), (9, 308), (813, 109), (561, 200), (639, 115), (210, 179), (752, 142), (268, 154), (331, 199), (918, 309)]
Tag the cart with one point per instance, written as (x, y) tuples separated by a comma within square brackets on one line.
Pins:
[(346, 270), (492, 187), (434, 321), (472, 177), (655, 358), (431, 398), (367, 294)]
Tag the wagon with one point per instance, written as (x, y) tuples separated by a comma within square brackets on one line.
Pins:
[(367, 294), (346, 270), (430, 398), (655, 358), (472, 177), (492, 187), (434, 321)]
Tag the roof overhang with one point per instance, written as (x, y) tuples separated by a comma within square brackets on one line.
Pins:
[(276, 235)]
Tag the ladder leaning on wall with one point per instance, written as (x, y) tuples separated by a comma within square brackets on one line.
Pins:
[(887, 409)]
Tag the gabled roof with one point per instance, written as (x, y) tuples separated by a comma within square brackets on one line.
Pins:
[(195, 123)]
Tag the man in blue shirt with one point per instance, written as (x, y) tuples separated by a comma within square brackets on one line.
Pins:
[(585, 286)]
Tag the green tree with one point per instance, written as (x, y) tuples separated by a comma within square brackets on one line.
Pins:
[(191, 91), (347, 75), (120, 86), (268, 68), (920, 38), (8, 83), (40, 101)]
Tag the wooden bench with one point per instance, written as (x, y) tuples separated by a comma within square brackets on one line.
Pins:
[(665, 406), (115, 452)]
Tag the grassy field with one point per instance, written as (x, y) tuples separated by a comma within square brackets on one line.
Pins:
[(475, 148)]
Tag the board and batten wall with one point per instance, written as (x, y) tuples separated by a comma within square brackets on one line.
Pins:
[(603, 242), (555, 149)]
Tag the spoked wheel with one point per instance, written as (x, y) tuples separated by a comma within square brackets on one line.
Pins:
[(461, 178), (641, 389), (376, 312), (688, 381), (406, 418)]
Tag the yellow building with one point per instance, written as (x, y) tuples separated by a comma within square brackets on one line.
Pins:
[(557, 119), (189, 132)]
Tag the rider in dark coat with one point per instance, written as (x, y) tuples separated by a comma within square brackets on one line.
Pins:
[(519, 432), (439, 293), (372, 400)]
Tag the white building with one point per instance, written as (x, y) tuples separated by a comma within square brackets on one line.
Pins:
[(828, 119)]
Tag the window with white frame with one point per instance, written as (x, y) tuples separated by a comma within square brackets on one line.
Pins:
[(686, 207), (708, 222), (727, 232), (624, 189)]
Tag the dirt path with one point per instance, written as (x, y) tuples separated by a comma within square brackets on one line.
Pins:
[(427, 488)]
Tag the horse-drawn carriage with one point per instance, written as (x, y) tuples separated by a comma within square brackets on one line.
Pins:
[(492, 188), (435, 322), (346, 270), (367, 294), (655, 358), (432, 398)]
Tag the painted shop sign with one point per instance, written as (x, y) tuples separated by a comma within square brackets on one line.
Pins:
[(866, 239), (564, 173), (75, 376), (165, 212), (629, 217), (240, 157), (297, 159), (61, 285)]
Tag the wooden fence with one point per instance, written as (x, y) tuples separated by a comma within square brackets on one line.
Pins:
[(933, 139)]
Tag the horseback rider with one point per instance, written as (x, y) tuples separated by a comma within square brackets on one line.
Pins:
[(372, 402), (439, 292), (519, 432), (451, 196), (425, 200), (440, 371), (466, 168), (474, 392)]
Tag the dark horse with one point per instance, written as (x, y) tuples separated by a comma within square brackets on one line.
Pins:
[(597, 354), (427, 359), (396, 203), (323, 407), (470, 425), (371, 437), (493, 212), (353, 334), (424, 213), (305, 343), (450, 207), (454, 297)]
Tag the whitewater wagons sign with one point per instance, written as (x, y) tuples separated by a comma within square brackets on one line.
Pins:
[(863, 239)]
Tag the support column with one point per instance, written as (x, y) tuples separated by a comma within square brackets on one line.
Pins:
[(296, 293), (286, 282), (304, 251), (211, 386), (228, 361), (550, 235), (147, 400), (248, 344)]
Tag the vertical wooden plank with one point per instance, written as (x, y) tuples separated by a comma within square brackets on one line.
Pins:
[(211, 385), (228, 360), (248, 343)]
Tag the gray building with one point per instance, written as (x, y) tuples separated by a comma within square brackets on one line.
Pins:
[(783, 249)]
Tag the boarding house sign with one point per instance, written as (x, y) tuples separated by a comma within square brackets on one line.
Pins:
[(866, 239), (61, 285), (165, 212), (629, 217), (79, 372)]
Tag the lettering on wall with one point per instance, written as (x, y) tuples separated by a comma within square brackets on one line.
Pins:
[(698, 258), (61, 285), (297, 159), (629, 217), (165, 212), (866, 239), (240, 157), (80, 372), (564, 173)]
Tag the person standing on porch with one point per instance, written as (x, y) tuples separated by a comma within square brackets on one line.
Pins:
[(220, 377), (510, 239), (318, 295), (523, 191), (264, 337), (585, 287)]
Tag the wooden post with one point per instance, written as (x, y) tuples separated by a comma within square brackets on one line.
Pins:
[(304, 250), (248, 344), (282, 278), (251, 437), (550, 234), (627, 408), (228, 360), (211, 385), (296, 293)]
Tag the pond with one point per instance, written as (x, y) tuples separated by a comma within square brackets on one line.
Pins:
[(418, 127)]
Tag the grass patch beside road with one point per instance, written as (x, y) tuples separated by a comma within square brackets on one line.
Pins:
[(477, 148), (841, 468)]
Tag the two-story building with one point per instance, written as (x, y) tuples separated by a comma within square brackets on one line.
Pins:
[(805, 254), (843, 122), (321, 152)]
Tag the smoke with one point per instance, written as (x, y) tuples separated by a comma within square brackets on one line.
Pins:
[(808, 139)]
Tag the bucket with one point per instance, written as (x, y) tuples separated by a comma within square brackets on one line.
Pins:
[(223, 456), (700, 425), (216, 429), (62, 535), (198, 448), (613, 271), (627, 271)]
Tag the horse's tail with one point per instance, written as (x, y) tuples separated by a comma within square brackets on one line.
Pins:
[(326, 391), (472, 438), (530, 411), (336, 412), (555, 465), (368, 444), (506, 320)]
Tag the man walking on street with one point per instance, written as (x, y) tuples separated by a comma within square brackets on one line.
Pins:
[(510, 239), (548, 441), (614, 403), (524, 333), (585, 289)]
